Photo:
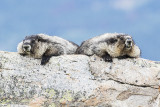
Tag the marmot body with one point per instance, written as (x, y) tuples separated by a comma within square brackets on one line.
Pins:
[(44, 46), (110, 45)]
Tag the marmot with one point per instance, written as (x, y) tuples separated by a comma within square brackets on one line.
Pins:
[(44, 46), (110, 45)]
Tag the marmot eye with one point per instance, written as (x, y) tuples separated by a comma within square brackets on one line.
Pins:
[(33, 41), (112, 40), (121, 38)]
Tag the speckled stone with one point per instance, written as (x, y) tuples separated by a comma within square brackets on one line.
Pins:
[(78, 81)]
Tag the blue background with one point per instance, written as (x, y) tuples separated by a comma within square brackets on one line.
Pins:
[(78, 20)]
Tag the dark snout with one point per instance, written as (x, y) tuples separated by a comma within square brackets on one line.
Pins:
[(26, 47), (128, 43)]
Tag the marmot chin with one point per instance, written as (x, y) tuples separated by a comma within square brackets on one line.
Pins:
[(44, 46), (110, 45)]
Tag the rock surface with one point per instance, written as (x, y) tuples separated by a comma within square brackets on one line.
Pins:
[(78, 81)]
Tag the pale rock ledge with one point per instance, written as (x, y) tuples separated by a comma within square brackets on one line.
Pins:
[(78, 81)]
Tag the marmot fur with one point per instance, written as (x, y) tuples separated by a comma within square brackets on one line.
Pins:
[(110, 45), (44, 46)]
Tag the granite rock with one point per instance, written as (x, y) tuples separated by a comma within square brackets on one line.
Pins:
[(78, 81)]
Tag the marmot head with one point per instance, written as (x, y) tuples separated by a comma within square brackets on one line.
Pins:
[(125, 41), (121, 42), (29, 43)]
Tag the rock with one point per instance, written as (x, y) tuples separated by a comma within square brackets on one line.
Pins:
[(78, 81)]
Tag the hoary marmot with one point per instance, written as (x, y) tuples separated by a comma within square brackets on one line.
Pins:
[(110, 45), (44, 46)]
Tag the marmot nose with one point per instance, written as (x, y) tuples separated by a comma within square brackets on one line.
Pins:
[(26, 47), (129, 42)]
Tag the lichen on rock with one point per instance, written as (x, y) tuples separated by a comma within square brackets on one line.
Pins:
[(78, 81)]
